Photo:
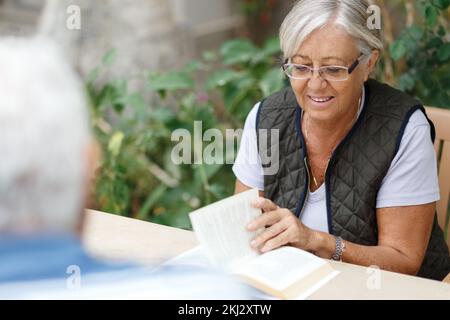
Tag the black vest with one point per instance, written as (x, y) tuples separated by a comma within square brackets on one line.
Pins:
[(356, 168)]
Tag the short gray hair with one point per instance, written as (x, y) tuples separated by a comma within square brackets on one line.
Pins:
[(308, 15), (44, 133)]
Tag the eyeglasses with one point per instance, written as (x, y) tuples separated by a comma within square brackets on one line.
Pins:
[(330, 73)]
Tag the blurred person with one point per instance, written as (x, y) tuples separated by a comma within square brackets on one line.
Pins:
[(47, 157)]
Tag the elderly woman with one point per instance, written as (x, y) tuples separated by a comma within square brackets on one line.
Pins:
[(356, 176)]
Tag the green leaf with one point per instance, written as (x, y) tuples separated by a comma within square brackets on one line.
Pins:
[(118, 107), (397, 49), (217, 190), (431, 14), (151, 200), (415, 32), (212, 169), (181, 221), (236, 93), (443, 53), (162, 115), (170, 81), (119, 89), (136, 100), (209, 56), (193, 66), (93, 75), (113, 196), (435, 42), (222, 78), (406, 82), (444, 4), (188, 101), (118, 94), (115, 143), (272, 81), (272, 46), (110, 57), (237, 51)]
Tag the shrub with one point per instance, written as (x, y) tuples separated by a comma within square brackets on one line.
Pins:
[(137, 177)]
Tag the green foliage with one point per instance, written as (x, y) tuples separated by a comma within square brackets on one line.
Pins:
[(422, 55), (137, 176)]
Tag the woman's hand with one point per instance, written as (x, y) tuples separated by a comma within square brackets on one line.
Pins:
[(283, 228)]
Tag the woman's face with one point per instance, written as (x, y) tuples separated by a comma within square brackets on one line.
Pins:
[(329, 100)]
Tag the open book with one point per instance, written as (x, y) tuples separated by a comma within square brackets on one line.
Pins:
[(285, 273)]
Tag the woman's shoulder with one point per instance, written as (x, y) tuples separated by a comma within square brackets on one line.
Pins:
[(250, 122), (384, 96), (418, 119)]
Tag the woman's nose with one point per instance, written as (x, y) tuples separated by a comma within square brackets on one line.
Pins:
[(316, 82)]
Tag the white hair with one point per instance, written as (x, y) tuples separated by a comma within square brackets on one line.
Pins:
[(309, 15), (44, 133)]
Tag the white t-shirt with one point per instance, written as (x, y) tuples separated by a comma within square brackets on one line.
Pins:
[(411, 178)]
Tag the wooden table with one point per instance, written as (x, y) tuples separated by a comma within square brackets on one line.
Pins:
[(114, 237)]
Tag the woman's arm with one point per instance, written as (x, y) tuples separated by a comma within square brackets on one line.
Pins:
[(403, 236), (240, 187)]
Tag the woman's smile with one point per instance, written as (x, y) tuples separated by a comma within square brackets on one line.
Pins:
[(320, 101)]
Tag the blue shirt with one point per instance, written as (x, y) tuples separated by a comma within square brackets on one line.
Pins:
[(44, 266), (28, 258)]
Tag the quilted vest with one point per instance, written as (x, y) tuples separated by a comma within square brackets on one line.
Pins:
[(355, 171)]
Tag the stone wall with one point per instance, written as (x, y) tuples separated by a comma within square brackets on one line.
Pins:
[(148, 34), (19, 17)]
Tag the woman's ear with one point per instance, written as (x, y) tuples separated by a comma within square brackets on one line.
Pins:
[(371, 64)]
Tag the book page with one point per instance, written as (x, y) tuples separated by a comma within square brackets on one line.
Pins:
[(195, 257), (286, 272), (221, 229), (264, 272)]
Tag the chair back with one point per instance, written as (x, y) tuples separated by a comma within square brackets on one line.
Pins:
[(441, 120)]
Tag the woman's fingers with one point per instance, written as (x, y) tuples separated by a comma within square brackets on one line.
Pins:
[(280, 240), (265, 204), (269, 233), (277, 220), (264, 220)]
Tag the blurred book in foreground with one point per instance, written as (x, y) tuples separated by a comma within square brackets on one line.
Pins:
[(285, 273)]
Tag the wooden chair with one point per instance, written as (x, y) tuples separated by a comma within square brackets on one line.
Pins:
[(447, 279), (441, 120)]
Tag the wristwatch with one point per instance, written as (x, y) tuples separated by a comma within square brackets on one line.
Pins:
[(340, 248)]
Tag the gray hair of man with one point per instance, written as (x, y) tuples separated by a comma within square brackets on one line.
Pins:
[(44, 135), (308, 15)]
